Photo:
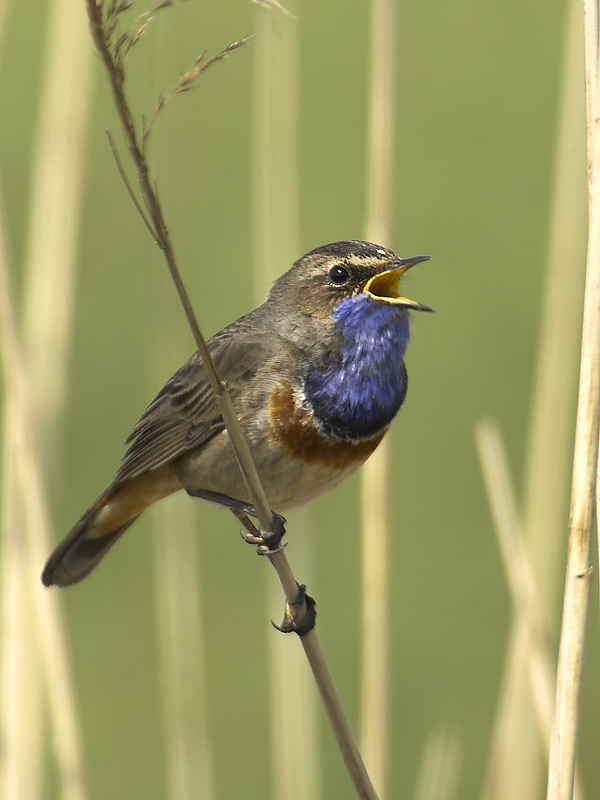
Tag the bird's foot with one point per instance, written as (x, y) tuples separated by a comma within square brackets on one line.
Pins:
[(290, 615), (267, 542)]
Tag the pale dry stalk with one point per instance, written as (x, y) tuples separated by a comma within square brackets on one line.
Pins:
[(565, 729), (295, 604)]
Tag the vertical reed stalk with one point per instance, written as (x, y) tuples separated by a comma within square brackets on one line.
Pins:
[(103, 33), (375, 474), (180, 634), (275, 227), (180, 593), (21, 723), (521, 728), (47, 626), (34, 360), (52, 246), (554, 395), (565, 728), (439, 768), (529, 670), (4, 9)]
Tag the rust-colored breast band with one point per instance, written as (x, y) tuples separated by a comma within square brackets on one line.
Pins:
[(296, 431)]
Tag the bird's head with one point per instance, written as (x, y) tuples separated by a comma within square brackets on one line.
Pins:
[(321, 279)]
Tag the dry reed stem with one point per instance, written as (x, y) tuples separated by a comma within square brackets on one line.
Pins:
[(276, 240), (182, 602), (509, 772), (296, 770), (528, 671), (515, 767), (550, 428), (294, 609), (440, 766), (21, 723), (565, 729), (102, 35), (56, 207), (375, 623), (180, 635), (35, 514), (36, 368), (4, 9), (375, 522), (529, 663)]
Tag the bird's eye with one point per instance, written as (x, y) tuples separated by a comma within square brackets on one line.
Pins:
[(338, 275)]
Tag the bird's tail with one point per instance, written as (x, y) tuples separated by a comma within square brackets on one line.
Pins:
[(103, 523)]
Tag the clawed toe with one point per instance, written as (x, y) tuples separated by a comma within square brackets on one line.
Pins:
[(267, 542)]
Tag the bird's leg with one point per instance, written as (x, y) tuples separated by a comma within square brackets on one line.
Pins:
[(223, 500), (267, 542)]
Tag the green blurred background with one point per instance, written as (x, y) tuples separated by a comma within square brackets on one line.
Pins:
[(478, 104)]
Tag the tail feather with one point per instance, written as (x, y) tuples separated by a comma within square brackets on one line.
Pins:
[(79, 552), (87, 542), (103, 523)]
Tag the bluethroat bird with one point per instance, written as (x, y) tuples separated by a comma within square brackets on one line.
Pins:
[(316, 374)]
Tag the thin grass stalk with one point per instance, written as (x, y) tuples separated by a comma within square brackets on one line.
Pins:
[(50, 254), (275, 148), (375, 668), (528, 671), (104, 42), (375, 523), (21, 723), (517, 752), (295, 604), (296, 770), (550, 428), (55, 212), (440, 766), (179, 590), (28, 473), (181, 645), (276, 241), (510, 772), (517, 567), (4, 9), (565, 728), (51, 251)]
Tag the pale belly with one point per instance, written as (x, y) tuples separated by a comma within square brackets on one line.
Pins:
[(288, 482)]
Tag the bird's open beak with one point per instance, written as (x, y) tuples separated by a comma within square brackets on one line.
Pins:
[(384, 286)]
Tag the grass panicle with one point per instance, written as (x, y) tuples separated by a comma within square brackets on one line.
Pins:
[(187, 80)]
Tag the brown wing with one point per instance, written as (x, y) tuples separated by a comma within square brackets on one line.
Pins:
[(184, 414)]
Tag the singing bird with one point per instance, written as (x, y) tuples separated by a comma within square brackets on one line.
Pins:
[(316, 374)]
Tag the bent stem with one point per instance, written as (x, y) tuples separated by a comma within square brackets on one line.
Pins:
[(102, 36), (103, 30)]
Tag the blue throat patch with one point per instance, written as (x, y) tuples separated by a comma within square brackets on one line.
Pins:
[(360, 389)]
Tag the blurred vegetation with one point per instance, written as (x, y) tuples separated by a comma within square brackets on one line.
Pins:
[(478, 91)]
